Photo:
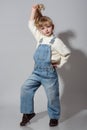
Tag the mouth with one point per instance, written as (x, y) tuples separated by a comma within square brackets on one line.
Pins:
[(47, 33)]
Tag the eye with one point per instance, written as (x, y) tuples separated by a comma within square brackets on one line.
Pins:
[(42, 28)]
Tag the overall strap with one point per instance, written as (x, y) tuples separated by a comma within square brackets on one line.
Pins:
[(52, 40), (41, 40)]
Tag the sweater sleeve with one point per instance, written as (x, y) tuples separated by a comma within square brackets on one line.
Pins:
[(61, 48), (34, 30), (64, 52)]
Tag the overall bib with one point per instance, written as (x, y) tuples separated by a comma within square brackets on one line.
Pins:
[(44, 74)]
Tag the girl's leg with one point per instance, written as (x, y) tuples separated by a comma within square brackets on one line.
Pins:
[(27, 94), (51, 86)]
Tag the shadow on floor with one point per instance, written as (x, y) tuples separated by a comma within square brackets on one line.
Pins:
[(39, 115)]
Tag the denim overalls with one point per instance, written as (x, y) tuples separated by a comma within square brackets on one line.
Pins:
[(44, 74)]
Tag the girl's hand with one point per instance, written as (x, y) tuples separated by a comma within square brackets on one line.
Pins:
[(54, 65), (34, 7), (33, 12)]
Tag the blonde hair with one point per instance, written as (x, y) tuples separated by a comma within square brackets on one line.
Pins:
[(41, 20)]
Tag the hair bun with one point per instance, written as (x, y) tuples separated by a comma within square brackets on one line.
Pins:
[(41, 7)]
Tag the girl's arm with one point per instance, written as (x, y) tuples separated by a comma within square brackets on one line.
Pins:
[(31, 24), (64, 52), (61, 48), (33, 12)]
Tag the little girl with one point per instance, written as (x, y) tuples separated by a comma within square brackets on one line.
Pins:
[(50, 53)]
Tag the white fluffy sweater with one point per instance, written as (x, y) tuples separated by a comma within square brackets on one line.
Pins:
[(60, 53)]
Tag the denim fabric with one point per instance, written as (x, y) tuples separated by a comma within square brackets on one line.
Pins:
[(43, 74)]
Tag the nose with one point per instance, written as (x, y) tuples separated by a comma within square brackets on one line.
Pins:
[(46, 29)]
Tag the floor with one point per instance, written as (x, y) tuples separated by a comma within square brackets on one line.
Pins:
[(10, 118)]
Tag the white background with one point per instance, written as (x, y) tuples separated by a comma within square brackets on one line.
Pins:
[(17, 46)]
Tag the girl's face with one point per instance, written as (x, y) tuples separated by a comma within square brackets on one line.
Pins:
[(46, 30)]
